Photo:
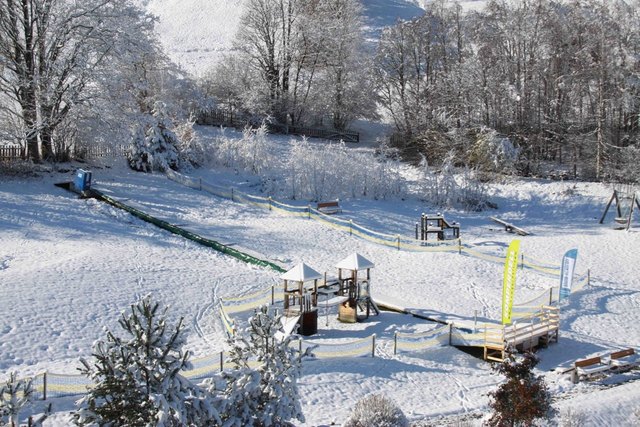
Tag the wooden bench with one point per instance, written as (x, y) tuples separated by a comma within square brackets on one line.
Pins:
[(329, 207), (623, 359), (588, 367)]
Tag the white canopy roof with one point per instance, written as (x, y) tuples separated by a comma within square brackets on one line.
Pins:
[(301, 273), (355, 261)]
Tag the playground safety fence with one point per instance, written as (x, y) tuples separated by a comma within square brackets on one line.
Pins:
[(49, 385), (389, 240)]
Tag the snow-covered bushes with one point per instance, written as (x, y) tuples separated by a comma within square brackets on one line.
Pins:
[(137, 379), (376, 410), (454, 188), (250, 153), (329, 171), (266, 395), (493, 153), (15, 394)]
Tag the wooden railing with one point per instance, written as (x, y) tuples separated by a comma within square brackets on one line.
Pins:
[(228, 118), (12, 152)]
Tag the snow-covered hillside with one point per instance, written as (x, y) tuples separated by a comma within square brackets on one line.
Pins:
[(196, 33)]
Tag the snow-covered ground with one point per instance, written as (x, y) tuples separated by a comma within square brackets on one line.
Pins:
[(69, 266)]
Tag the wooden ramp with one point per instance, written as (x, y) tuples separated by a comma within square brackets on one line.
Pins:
[(496, 340)]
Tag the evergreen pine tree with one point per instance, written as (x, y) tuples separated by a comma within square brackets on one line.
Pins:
[(523, 398), (266, 394), (137, 377), (14, 395), (155, 146)]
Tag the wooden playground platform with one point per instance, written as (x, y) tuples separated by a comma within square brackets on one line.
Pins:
[(524, 334)]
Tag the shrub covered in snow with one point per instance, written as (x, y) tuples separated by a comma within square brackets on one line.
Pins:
[(137, 379), (376, 410), (267, 394), (493, 153), (451, 187)]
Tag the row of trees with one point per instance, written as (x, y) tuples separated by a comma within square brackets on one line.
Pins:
[(559, 77), (87, 72), (299, 61)]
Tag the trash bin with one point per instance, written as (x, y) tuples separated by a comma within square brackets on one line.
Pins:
[(82, 181), (308, 323)]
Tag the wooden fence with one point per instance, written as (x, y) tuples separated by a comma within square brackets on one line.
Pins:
[(12, 152), (87, 152), (227, 118)]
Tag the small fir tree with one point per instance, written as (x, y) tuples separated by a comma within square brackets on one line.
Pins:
[(523, 398), (266, 394), (155, 146), (15, 394), (137, 377)]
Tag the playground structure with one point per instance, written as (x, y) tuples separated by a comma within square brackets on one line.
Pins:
[(354, 280), (301, 298), (508, 227), (438, 225), (626, 200)]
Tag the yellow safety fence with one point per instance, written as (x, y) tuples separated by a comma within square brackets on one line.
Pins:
[(349, 226)]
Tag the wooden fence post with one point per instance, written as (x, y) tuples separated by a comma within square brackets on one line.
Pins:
[(450, 333), (459, 246), (221, 361), (232, 195), (273, 292), (350, 227), (395, 342), (299, 349), (44, 386), (588, 277), (398, 239), (373, 345), (550, 296), (308, 211), (269, 202)]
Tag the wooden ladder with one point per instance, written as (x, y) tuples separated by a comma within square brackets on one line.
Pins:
[(494, 347)]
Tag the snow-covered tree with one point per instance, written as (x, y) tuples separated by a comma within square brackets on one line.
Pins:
[(15, 394), (155, 146), (523, 398), (267, 394), (137, 376)]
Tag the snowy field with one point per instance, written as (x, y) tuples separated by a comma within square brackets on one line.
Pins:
[(69, 266)]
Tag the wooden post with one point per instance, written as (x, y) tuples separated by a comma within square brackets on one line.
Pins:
[(615, 196), (522, 261), (450, 332), (373, 345), (588, 277), (200, 182), (550, 296), (308, 211), (269, 202), (416, 231), (633, 202), (232, 195), (221, 361), (299, 349), (44, 386), (459, 246), (350, 226), (395, 343), (398, 239), (475, 320), (273, 295)]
